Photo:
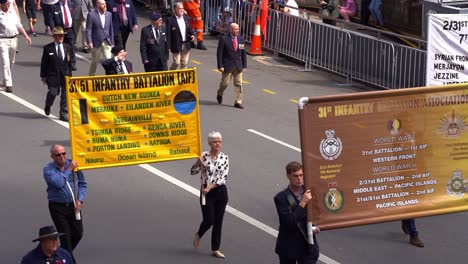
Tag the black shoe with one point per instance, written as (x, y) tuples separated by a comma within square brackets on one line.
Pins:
[(200, 46), (47, 110), (220, 99), (191, 45), (9, 89), (415, 241), (64, 118), (85, 50), (240, 106), (74, 68)]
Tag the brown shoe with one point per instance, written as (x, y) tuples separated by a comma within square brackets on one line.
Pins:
[(415, 241), (196, 240), (237, 105), (218, 254)]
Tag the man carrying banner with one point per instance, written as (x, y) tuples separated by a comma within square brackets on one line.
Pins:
[(292, 245), (66, 193)]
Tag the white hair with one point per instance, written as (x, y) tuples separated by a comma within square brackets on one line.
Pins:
[(213, 135)]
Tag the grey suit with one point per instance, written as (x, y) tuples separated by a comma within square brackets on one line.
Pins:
[(80, 12), (101, 38)]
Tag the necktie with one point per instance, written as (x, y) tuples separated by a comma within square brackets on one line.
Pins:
[(234, 43), (59, 51), (65, 14), (120, 67)]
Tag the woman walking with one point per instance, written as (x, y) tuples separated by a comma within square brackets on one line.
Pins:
[(214, 167)]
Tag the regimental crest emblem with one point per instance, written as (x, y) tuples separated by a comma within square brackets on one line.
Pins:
[(457, 185), (333, 199), (394, 126), (452, 125), (330, 147)]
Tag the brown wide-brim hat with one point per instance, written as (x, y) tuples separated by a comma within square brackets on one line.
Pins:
[(47, 232)]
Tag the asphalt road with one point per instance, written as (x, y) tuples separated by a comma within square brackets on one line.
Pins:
[(148, 213)]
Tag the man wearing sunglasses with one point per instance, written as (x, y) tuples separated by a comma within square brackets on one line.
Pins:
[(65, 200)]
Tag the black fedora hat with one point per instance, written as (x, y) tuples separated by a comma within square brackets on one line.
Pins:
[(47, 232)]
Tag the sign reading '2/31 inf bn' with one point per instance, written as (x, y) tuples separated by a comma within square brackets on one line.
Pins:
[(119, 120)]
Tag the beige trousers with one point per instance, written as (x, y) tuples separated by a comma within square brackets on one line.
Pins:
[(226, 79), (180, 58), (105, 49), (7, 58)]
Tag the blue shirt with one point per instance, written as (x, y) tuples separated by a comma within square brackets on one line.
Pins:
[(36, 256), (57, 188)]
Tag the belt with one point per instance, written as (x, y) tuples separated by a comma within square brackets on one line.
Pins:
[(12, 37), (63, 204)]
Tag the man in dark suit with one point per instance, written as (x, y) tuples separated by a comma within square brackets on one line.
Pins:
[(100, 35), (118, 64), (62, 16), (232, 61), (292, 244), (55, 65), (179, 37), (153, 45), (124, 20)]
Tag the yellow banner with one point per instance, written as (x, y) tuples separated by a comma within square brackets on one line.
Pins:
[(120, 120), (385, 156)]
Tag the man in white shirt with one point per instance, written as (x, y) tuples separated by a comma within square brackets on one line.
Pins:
[(10, 26)]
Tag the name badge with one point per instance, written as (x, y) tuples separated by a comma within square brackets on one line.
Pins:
[(51, 54), (173, 28), (241, 46), (127, 5), (114, 9)]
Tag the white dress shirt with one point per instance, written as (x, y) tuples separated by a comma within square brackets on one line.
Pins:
[(181, 23)]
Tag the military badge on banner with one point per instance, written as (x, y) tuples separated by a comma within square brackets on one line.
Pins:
[(394, 126), (452, 125), (330, 147), (333, 199), (457, 185)]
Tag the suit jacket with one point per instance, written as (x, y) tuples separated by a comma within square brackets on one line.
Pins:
[(228, 58), (291, 242), (113, 7), (82, 8), (53, 68), (174, 36), (111, 66), (57, 15), (95, 33), (152, 49)]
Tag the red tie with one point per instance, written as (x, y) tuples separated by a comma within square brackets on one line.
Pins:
[(234, 43), (65, 14)]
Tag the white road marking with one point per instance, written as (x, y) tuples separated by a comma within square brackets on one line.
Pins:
[(252, 221), (275, 140)]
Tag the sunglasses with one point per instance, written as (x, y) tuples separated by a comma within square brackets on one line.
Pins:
[(60, 154)]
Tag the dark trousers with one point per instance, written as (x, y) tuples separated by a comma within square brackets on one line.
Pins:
[(213, 213), (63, 216), (120, 39), (309, 259), (365, 13), (47, 13), (410, 225), (152, 67), (53, 92)]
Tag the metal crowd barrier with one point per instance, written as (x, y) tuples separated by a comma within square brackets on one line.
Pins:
[(350, 54)]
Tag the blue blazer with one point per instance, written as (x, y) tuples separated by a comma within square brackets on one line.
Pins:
[(174, 36), (291, 242), (95, 33), (113, 7), (227, 57)]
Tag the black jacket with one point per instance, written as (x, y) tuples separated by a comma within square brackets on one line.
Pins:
[(151, 49), (52, 67), (111, 66), (174, 36), (291, 242)]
